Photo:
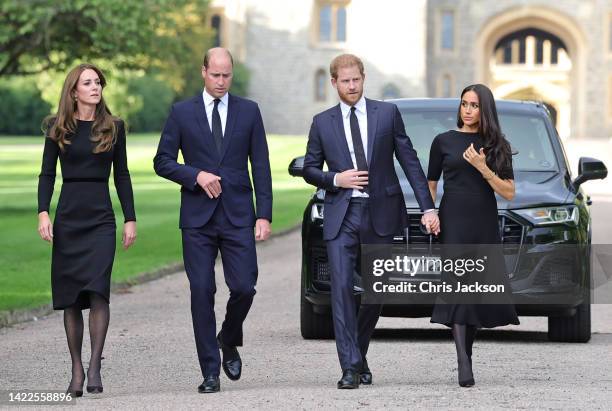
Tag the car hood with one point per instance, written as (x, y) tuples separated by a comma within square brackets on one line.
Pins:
[(533, 189)]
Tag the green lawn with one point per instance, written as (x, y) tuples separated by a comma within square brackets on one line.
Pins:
[(25, 258)]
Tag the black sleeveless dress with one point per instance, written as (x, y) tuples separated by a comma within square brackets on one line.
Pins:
[(84, 228), (468, 216)]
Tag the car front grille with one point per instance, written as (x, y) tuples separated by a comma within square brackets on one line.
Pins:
[(415, 235), (556, 271), (511, 232), (320, 266)]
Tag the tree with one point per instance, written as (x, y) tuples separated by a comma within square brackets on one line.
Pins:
[(22, 107), (154, 98), (38, 35), (240, 81)]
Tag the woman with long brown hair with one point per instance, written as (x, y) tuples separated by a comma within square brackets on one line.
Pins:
[(88, 140), (476, 160)]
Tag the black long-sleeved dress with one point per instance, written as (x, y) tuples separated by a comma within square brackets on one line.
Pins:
[(468, 218), (84, 228)]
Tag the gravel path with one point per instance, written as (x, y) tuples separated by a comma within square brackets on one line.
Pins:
[(150, 359)]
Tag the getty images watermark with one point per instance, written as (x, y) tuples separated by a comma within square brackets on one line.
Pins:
[(567, 274), (426, 265)]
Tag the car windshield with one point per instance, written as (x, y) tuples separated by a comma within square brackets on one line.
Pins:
[(527, 134)]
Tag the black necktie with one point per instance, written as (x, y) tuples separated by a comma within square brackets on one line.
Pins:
[(360, 157), (217, 130)]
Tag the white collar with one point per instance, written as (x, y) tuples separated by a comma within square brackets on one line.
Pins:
[(360, 106), (208, 99)]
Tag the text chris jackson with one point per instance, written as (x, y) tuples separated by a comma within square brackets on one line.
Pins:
[(431, 287)]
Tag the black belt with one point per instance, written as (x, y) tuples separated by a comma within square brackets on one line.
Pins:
[(85, 180)]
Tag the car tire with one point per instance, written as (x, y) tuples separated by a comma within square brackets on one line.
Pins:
[(312, 325), (576, 328)]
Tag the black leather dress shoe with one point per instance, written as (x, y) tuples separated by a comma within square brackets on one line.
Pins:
[(349, 380), (365, 377), (211, 384), (231, 363)]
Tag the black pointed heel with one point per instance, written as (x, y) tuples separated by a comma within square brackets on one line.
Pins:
[(95, 389), (75, 393), (465, 375)]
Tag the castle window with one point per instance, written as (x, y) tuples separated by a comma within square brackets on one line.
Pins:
[(341, 24), (332, 19), (609, 32), (215, 23), (447, 30), (529, 46)]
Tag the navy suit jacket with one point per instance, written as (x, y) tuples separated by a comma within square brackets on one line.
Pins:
[(187, 129), (386, 137)]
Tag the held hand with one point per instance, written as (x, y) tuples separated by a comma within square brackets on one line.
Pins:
[(45, 228), (352, 179), (431, 221), (476, 158), (129, 234), (209, 183), (262, 229)]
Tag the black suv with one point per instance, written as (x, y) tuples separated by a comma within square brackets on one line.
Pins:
[(549, 208)]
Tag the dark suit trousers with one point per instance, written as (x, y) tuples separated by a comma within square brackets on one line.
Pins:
[(200, 247), (353, 331)]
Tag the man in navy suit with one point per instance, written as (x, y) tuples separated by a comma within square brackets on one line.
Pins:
[(218, 134), (363, 202)]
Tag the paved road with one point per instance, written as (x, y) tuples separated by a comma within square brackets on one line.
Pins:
[(151, 361)]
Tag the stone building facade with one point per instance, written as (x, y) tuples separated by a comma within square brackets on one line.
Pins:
[(557, 52)]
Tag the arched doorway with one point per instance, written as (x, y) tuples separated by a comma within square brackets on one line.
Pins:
[(532, 94), (535, 53)]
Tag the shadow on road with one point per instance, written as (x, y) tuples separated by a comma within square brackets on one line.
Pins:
[(486, 335)]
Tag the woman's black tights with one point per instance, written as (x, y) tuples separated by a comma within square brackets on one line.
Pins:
[(464, 336), (99, 316)]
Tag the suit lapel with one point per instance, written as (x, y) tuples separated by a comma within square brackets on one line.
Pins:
[(232, 114), (203, 122), (372, 114), (338, 127)]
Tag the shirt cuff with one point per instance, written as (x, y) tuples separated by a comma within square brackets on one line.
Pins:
[(335, 185), (428, 210)]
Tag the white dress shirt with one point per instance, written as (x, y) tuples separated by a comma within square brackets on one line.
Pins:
[(209, 105), (362, 119)]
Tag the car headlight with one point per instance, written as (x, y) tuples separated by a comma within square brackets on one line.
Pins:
[(316, 213), (544, 216)]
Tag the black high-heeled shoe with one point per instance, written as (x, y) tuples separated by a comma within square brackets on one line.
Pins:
[(74, 393), (467, 383), (95, 389), (465, 375)]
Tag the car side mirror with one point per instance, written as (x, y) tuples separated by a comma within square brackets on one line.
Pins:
[(590, 169), (296, 167)]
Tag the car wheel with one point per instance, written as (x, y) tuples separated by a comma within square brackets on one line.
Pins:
[(576, 328), (312, 325)]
